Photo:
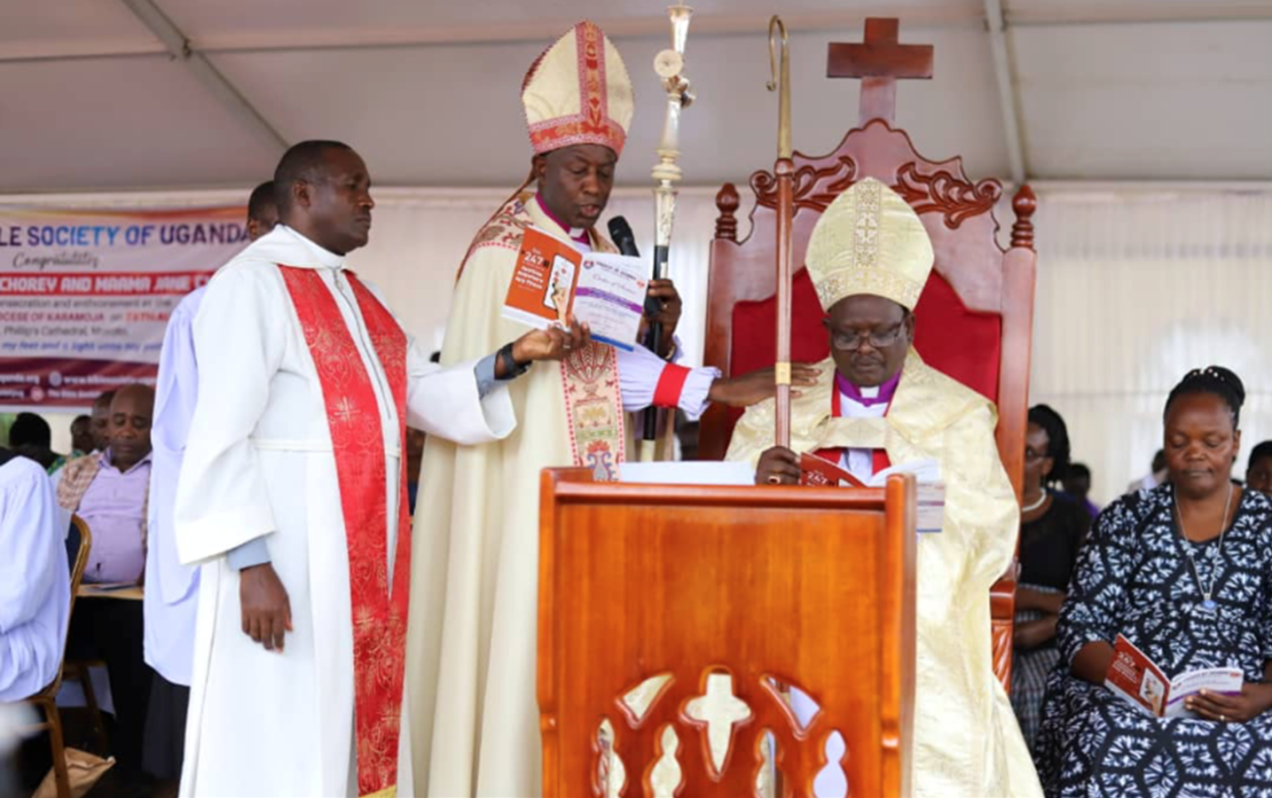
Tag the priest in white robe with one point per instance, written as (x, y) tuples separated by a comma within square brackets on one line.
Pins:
[(292, 498)]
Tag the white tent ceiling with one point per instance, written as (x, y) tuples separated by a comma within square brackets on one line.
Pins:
[(92, 97)]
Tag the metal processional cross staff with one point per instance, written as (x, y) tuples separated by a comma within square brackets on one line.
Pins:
[(669, 65)]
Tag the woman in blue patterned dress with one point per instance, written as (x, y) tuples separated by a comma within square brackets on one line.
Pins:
[(1184, 571)]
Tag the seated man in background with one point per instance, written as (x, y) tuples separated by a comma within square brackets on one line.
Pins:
[(870, 257), (1259, 471), (96, 437), (99, 421), (109, 491), (31, 436), (1077, 486), (34, 583), (81, 436)]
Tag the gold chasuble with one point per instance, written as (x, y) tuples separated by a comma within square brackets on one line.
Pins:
[(379, 606), (471, 647), (967, 741)]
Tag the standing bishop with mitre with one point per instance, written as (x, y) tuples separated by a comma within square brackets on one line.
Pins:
[(473, 624), (877, 404)]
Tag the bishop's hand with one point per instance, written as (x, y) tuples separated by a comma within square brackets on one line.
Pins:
[(778, 466), (755, 387), (554, 343), (265, 606), (664, 293)]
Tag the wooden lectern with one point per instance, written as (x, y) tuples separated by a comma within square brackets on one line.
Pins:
[(669, 616)]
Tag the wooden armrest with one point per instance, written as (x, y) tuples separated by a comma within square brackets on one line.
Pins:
[(1002, 612)]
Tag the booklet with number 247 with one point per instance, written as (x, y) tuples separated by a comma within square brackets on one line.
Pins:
[(552, 279), (1141, 683)]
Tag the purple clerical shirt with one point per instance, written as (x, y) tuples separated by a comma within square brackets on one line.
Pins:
[(114, 507)]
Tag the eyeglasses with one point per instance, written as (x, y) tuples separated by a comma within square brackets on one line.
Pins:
[(878, 338)]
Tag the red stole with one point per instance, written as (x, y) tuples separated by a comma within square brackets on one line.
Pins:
[(357, 439), (835, 454)]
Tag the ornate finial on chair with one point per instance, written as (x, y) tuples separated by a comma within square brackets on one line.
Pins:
[(1024, 204), (727, 202)]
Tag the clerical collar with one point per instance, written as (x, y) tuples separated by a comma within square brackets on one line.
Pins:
[(882, 393), (577, 234), (321, 255)]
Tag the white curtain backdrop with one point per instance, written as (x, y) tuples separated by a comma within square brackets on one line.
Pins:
[(1136, 286), (1134, 289)]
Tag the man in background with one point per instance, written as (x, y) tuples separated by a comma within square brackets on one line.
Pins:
[(1077, 486), (81, 436), (99, 421), (31, 437), (172, 589), (109, 491)]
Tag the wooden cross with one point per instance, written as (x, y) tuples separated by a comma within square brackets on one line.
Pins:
[(879, 61)]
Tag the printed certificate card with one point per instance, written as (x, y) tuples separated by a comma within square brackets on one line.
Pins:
[(610, 297)]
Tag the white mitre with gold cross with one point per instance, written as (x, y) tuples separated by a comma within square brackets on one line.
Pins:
[(869, 241)]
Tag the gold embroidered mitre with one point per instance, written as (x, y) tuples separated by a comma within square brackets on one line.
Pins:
[(578, 92), (869, 241)]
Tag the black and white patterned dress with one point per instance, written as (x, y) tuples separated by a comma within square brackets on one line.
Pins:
[(1133, 577)]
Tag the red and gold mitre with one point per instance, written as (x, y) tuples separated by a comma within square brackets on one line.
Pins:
[(578, 92)]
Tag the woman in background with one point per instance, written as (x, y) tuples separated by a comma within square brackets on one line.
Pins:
[(1051, 531), (1184, 571), (1259, 470)]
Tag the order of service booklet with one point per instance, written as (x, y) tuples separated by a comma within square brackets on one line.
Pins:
[(552, 279), (929, 493), (1141, 683)]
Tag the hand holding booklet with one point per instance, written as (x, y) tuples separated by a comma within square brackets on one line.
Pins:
[(552, 280), (1141, 683), (930, 498)]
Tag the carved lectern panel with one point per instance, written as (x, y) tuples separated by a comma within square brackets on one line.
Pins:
[(724, 641), (711, 720)]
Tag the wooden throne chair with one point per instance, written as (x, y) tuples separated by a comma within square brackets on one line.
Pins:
[(975, 317)]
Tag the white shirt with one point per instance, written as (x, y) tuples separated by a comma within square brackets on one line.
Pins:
[(35, 586), (171, 588), (860, 462)]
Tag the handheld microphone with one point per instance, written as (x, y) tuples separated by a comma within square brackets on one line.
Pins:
[(621, 232)]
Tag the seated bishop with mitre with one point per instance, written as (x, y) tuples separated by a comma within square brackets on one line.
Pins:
[(876, 405)]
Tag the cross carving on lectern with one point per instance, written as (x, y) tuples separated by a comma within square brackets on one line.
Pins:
[(879, 61)]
